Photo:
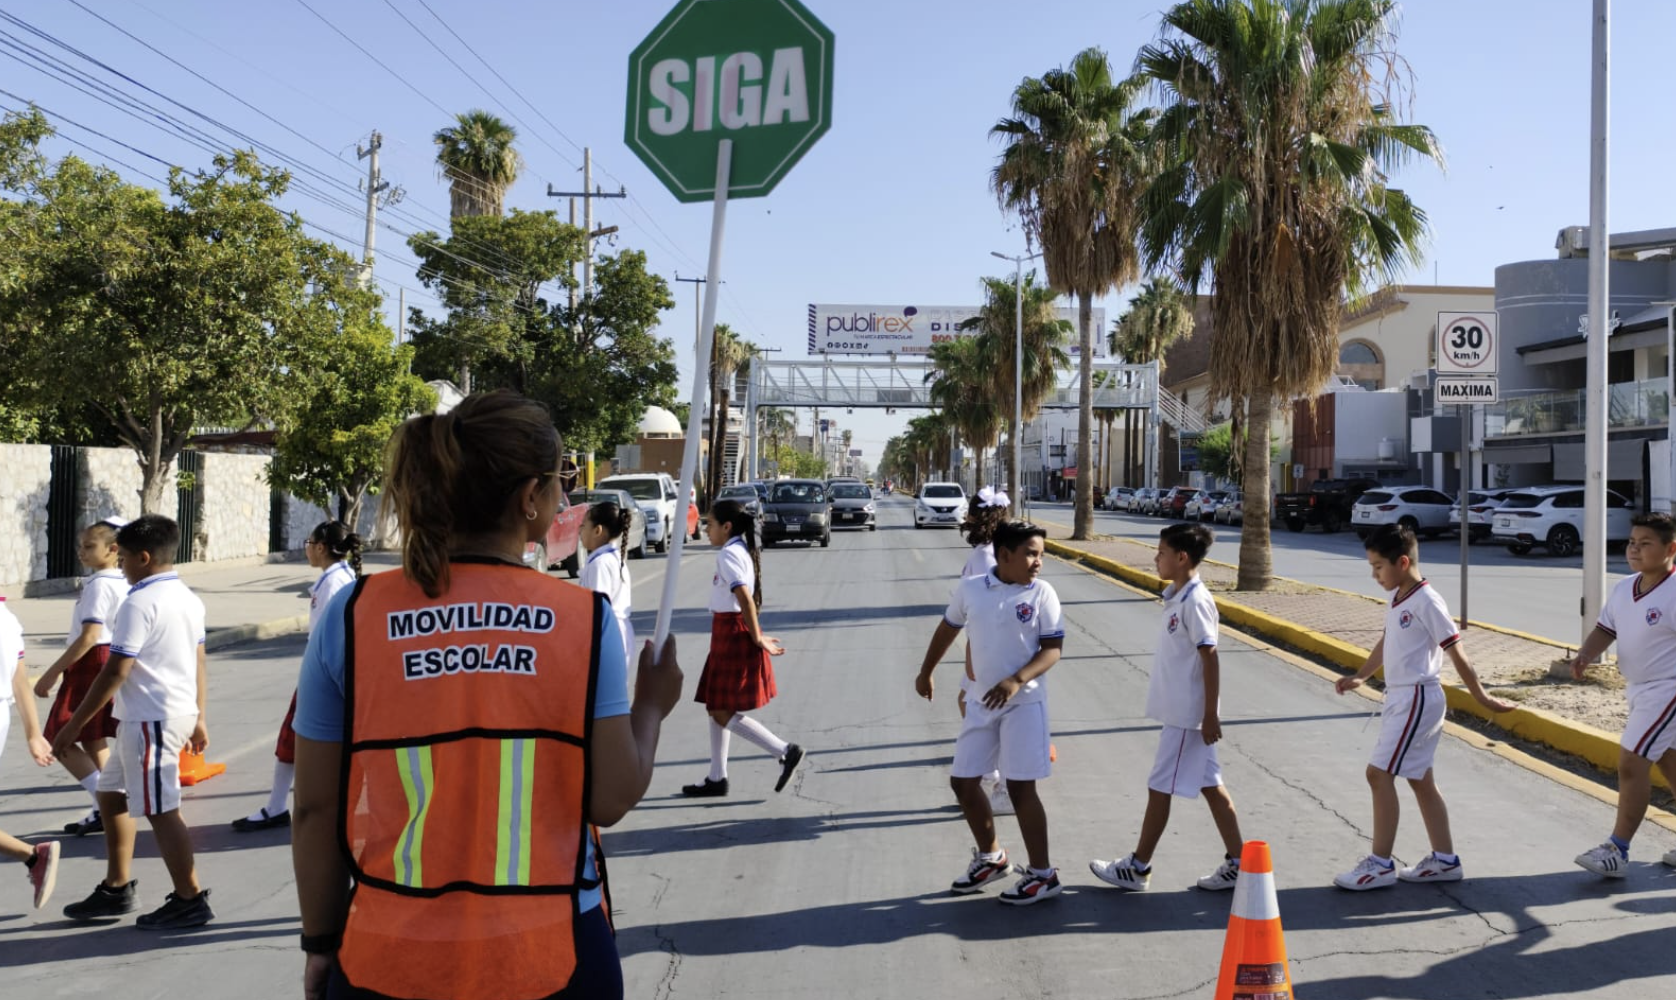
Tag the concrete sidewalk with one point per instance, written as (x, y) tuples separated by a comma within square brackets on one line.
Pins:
[(1578, 718), (243, 601)]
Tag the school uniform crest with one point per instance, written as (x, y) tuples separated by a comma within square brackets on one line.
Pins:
[(1654, 615), (1405, 619), (1025, 613), (1175, 621)]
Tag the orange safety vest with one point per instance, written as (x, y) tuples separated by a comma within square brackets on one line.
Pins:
[(469, 719)]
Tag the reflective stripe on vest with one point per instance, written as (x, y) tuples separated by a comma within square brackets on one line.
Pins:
[(468, 721)]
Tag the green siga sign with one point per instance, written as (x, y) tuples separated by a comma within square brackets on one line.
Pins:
[(758, 72)]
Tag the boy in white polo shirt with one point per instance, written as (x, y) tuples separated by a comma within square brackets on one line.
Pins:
[(1640, 616), (1418, 631), (1016, 637), (1184, 695), (156, 674), (41, 860)]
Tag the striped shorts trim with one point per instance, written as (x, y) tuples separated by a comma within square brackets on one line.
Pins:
[(1651, 730), (145, 763)]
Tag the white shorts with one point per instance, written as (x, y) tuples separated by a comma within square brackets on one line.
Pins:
[(1013, 741), (1409, 729), (1651, 731), (1185, 763), (5, 722), (145, 763)]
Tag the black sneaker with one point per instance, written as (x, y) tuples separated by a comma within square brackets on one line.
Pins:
[(248, 824), (104, 902), (707, 790), (91, 823), (788, 765), (176, 913)]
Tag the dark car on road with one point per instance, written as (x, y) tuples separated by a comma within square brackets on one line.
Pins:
[(797, 509), (745, 495), (852, 506)]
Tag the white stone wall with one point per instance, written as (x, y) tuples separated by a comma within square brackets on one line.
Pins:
[(25, 475), (233, 521), (110, 484)]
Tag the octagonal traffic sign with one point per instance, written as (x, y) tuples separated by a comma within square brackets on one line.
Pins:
[(758, 72)]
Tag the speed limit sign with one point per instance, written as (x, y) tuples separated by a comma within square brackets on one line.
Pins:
[(1467, 343)]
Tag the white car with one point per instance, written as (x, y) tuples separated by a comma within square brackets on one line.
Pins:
[(1421, 509), (1117, 498), (655, 494), (1481, 505), (1552, 516), (940, 505), (1203, 505)]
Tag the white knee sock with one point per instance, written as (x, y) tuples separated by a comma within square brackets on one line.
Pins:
[(282, 787), (91, 783), (758, 733), (719, 740)]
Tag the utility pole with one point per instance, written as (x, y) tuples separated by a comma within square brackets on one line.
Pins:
[(375, 185), (588, 193)]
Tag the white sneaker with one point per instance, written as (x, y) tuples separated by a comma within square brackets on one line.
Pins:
[(1606, 860), (1000, 803), (1430, 869), (1227, 873), (1122, 873), (1368, 874)]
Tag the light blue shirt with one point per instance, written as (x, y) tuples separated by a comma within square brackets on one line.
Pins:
[(320, 694)]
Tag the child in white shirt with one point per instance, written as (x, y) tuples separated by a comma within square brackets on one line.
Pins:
[(605, 571)]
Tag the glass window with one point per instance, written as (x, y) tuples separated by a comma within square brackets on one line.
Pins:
[(1569, 499), (1357, 354), (843, 492), (640, 489), (1373, 496), (1522, 501), (944, 492)]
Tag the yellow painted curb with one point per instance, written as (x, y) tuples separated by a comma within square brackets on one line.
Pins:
[(1596, 746)]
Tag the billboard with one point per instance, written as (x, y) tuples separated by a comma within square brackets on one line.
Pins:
[(911, 330)]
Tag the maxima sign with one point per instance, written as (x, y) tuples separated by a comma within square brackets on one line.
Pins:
[(872, 329)]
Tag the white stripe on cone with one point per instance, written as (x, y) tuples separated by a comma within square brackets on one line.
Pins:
[(1254, 897)]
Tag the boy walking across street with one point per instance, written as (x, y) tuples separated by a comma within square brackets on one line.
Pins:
[(39, 860), (1183, 694), (156, 675), (1016, 634), (1640, 616), (1418, 631)]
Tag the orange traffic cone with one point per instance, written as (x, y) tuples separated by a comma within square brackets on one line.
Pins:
[(193, 767), (1254, 955)]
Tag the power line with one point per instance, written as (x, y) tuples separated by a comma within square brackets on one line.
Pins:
[(362, 49)]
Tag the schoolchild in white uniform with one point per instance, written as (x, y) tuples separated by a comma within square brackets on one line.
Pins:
[(605, 572), (1418, 631), (156, 674), (1015, 633), (336, 551), (87, 648), (738, 675), (1183, 695), (40, 860), (1640, 616), (988, 511)]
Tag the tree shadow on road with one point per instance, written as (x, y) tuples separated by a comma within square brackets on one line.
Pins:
[(707, 833)]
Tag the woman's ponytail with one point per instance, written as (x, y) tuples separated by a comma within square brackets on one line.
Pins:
[(343, 544), (424, 456)]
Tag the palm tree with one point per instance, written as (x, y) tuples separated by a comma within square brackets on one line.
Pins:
[(728, 354), (1044, 335), (775, 425), (1156, 318), (1073, 170), (1276, 139), (961, 380), (476, 155)]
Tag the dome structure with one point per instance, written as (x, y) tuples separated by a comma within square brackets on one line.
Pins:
[(660, 423)]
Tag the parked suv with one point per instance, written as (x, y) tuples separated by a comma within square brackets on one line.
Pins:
[(1175, 501), (940, 504), (1420, 509), (1481, 507), (655, 494), (1552, 516)]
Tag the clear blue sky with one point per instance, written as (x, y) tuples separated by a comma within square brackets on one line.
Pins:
[(892, 205)]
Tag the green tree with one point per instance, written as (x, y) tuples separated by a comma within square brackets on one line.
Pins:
[(1045, 336), (1156, 318), (961, 380), (774, 426), (1276, 139), (356, 390), (1073, 169), (728, 354), (477, 156), (158, 315)]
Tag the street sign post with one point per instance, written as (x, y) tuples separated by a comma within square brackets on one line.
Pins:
[(1468, 343), (724, 97), (1468, 389), (1468, 351)]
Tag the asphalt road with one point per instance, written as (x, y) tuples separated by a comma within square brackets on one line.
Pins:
[(837, 886), (1535, 593)]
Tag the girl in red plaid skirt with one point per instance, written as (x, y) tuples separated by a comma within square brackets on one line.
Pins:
[(739, 674)]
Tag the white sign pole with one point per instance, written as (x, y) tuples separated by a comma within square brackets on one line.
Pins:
[(701, 382)]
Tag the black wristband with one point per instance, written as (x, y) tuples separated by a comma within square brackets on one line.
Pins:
[(322, 944)]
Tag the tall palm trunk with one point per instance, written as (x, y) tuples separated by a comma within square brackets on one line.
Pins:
[(1083, 523), (1256, 566)]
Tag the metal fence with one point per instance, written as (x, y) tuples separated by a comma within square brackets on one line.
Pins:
[(62, 529), (190, 470)]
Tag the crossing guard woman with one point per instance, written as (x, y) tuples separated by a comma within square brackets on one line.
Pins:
[(462, 725)]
